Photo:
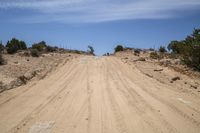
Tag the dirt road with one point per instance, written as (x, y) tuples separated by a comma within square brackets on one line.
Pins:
[(98, 95)]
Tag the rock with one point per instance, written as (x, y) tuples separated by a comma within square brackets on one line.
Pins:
[(151, 76), (23, 79), (157, 70), (30, 75), (193, 86), (176, 78)]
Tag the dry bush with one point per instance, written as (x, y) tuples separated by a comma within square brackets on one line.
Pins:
[(2, 60), (154, 55), (35, 53)]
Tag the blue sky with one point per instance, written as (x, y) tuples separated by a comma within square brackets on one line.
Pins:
[(101, 23)]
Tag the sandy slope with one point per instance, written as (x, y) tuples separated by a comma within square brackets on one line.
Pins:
[(93, 95)]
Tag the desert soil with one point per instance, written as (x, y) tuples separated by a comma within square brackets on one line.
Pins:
[(30, 68), (102, 95)]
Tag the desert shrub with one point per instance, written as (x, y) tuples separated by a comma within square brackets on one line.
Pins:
[(188, 49), (77, 51), (2, 60), (119, 48), (35, 53), (39, 46), (91, 50), (128, 48), (22, 45), (1, 47), (12, 50), (151, 49), (154, 55), (50, 49), (162, 49), (14, 45), (26, 53), (173, 55), (137, 52)]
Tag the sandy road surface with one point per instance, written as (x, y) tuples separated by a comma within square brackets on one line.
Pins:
[(98, 95)]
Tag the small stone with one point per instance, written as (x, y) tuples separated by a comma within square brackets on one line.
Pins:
[(176, 78), (193, 86), (141, 59)]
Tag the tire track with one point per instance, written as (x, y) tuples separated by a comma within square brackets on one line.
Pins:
[(132, 96), (178, 111), (114, 106), (43, 105)]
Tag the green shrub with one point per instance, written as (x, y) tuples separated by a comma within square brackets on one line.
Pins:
[(14, 45), (91, 50), (119, 48), (35, 53), (50, 49), (162, 49), (22, 45), (137, 52), (188, 49), (1, 47), (12, 49), (39, 46), (154, 55)]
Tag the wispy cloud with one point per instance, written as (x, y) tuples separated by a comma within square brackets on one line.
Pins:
[(67, 11)]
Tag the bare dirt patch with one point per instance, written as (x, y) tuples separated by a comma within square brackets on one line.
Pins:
[(20, 68), (166, 70)]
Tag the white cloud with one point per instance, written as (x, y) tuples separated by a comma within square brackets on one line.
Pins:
[(67, 11)]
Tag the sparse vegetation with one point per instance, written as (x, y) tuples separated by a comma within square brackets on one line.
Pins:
[(154, 55), (119, 48), (35, 53), (39, 46), (136, 52), (1, 47), (151, 49), (162, 49), (14, 45), (91, 50), (51, 49), (188, 49), (2, 60), (141, 59)]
